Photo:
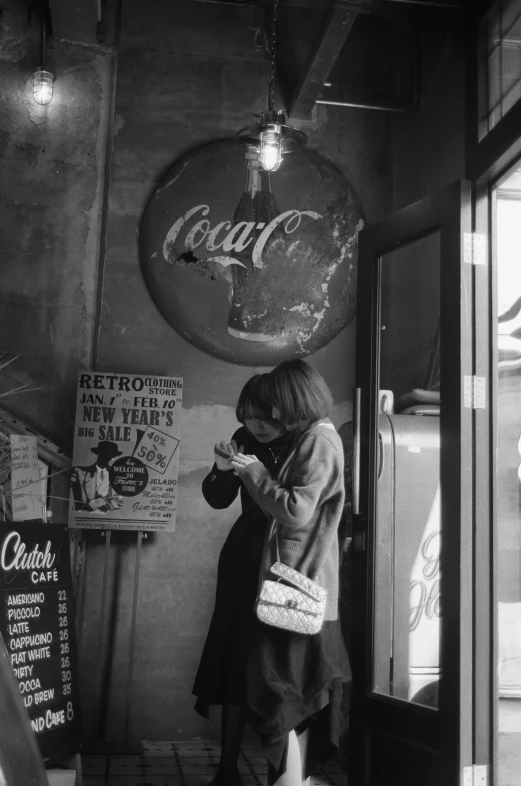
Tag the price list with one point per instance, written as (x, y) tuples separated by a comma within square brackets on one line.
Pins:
[(37, 625)]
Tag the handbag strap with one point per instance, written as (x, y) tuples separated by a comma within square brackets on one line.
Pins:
[(277, 545)]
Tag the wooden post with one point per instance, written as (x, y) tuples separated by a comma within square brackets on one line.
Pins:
[(132, 639)]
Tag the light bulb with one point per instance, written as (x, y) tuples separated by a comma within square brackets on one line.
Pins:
[(43, 86), (270, 149)]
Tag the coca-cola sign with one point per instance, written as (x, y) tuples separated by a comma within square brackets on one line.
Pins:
[(250, 268)]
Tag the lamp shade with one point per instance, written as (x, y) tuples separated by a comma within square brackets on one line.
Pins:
[(43, 80), (272, 138), (270, 155)]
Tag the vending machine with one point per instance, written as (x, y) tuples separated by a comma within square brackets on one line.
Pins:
[(407, 551)]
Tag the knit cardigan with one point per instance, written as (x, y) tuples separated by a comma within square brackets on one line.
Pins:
[(306, 502)]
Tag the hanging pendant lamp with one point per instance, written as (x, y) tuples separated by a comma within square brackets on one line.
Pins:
[(271, 136), (43, 77)]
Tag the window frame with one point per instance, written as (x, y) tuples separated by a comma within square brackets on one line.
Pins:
[(493, 154)]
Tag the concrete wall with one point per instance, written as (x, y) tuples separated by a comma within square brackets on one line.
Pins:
[(187, 73), (426, 150), (52, 161)]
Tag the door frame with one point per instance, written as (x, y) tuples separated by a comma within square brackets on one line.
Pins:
[(441, 732), (487, 162)]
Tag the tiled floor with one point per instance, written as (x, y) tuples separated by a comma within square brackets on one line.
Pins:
[(184, 764)]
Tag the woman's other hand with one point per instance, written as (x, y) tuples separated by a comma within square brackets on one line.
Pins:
[(228, 448), (240, 461)]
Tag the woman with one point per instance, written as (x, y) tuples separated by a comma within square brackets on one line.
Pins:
[(295, 681), (220, 677)]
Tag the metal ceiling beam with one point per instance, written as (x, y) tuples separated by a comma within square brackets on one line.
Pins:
[(331, 37)]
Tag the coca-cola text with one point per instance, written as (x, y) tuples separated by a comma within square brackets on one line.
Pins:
[(231, 238)]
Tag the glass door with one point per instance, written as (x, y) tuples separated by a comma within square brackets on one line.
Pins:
[(412, 663), (406, 626)]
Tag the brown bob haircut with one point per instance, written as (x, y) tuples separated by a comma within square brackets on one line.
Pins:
[(250, 403), (298, 391)]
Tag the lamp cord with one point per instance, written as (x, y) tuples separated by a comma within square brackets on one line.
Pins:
[(43, 49), (271, 85)]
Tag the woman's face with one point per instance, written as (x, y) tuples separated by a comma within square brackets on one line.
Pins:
[(263, 430)]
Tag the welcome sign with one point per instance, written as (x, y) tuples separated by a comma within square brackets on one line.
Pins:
[(250, 266)]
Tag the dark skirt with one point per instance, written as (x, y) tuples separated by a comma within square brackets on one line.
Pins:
[(283, 680), (295, 681), (221, 674)]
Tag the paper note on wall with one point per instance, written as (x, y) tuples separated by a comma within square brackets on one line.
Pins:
[(27, 484)]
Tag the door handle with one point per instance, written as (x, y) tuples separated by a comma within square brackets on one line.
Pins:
[(356, 450), (380, 457)]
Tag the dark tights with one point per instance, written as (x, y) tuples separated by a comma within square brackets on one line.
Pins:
[(233, 723), (232, 730)]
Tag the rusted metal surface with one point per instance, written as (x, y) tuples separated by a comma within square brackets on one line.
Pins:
[(294, 277)]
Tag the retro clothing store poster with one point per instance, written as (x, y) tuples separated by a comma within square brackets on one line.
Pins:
[(126, 452)]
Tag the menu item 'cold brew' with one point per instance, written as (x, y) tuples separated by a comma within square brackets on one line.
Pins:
[(37, 625)]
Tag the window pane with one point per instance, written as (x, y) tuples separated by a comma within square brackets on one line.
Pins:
[(500, 63), (494, 87), (406, 634)]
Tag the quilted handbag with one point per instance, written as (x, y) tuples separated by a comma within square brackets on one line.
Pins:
[(298, 608)]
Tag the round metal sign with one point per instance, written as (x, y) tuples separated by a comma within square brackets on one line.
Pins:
[(251, 267)]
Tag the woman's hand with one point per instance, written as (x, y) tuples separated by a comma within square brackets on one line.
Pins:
[(241, 460), (230, 448)]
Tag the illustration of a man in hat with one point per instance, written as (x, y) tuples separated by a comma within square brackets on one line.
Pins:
[(91, 487)]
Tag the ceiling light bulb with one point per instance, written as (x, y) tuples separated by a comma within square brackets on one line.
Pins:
[(43, 86), (270, 149)]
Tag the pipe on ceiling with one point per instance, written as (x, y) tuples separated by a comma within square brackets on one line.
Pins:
[(354, 105), (227, 2), (429, 3)]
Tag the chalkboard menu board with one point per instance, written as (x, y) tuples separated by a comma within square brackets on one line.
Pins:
[(37, 625)]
